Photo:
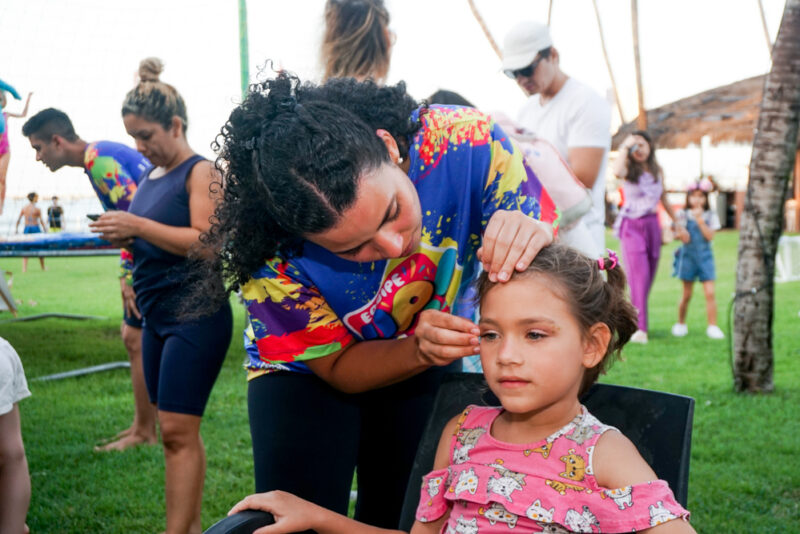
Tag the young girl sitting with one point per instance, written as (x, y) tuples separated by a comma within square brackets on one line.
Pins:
[(541, 462), (694, 259)]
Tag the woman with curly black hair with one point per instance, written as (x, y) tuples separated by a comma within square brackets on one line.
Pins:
[(352, 220)]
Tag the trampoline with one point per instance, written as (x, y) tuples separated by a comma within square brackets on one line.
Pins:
[(55, 244)]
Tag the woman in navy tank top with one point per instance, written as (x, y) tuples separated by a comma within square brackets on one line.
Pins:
[(181, 359)]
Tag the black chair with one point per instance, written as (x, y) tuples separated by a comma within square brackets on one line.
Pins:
[(659, 424)]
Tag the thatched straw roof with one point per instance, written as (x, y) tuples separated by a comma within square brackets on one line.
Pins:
[(727, 113)]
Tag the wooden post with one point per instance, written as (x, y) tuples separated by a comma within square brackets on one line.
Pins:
[(485, 29), (764, 25), (608, 62), (641, 120)]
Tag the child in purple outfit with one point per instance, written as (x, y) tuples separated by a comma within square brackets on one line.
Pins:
[(637, 225), (540, 462)]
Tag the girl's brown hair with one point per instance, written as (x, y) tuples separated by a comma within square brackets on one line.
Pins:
[(690, 191), (591, 298), (154, 100), (636, 169), (356, 41)]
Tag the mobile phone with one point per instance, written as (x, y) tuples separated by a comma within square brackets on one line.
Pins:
[(93, 216), (633, 148)]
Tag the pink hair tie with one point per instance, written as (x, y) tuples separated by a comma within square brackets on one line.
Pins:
[(612, 256)]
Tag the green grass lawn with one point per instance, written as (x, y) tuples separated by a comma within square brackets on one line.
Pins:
[(740, 477)]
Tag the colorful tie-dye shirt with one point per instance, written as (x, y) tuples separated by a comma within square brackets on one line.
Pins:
[(114, 171), (313, 303)]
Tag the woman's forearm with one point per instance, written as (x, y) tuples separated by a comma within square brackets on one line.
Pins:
[(367, 365), (177, 240), (667, 206)]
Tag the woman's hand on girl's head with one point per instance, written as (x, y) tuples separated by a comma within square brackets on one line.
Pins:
[(291, 513), (511, 241), (443, 338)]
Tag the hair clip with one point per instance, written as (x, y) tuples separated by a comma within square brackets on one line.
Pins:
[(703, 185), (613, 261)]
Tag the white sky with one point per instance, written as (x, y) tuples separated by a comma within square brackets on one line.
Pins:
[(81, 56)]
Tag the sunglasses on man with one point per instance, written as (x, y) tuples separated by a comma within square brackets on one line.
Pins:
[(525, 71)]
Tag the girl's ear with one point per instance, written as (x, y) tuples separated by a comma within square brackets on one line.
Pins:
[(596, 344)]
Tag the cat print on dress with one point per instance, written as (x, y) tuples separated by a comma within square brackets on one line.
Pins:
[(553, 528), (509, 481), (464, 527), (659, 514), (497, 513), (469, 436), (433, 488), (461, 454), (582, 432), (622, 496), (544, 450), (581, 522), (574, 466), (562, 487), (467, 481), (537, 512)]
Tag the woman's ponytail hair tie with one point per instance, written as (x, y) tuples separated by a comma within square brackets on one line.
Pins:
[(606, 264)]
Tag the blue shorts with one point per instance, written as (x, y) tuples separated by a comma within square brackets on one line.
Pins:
[(130, 320), (691, 265), (32, 230), (182, 360)]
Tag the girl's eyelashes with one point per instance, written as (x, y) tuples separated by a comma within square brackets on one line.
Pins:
[(488, 336), (535, 334)]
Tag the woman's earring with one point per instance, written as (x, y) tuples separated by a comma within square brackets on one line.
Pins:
[(399, 161)]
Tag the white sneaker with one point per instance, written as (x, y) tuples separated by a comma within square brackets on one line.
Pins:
[(714, 332), (640, 336), (680, 329)]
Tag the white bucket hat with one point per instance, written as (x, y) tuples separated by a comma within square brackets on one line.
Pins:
[(523, 42)]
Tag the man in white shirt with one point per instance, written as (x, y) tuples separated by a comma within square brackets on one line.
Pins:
[(568, 114)]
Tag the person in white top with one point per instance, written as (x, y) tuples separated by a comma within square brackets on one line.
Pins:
[(568, 114)]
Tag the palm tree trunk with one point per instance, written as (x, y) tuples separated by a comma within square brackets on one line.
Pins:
[(771, 165), (608, 62)]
